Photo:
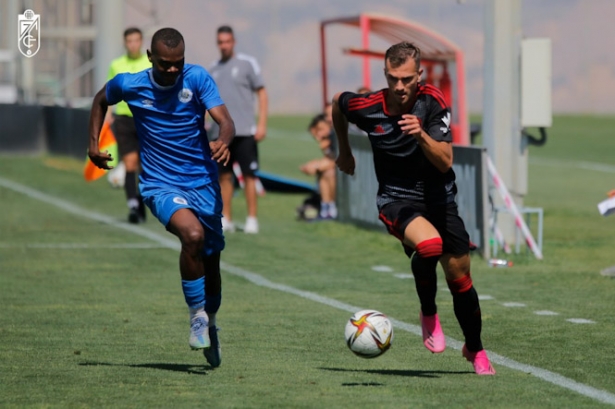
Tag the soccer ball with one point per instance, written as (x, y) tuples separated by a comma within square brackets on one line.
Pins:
[(369, 333)]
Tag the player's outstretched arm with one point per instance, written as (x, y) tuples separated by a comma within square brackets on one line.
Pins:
[(219, 147), (97, 117), (345, 161)]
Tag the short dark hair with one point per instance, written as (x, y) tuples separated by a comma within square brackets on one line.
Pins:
[(316, 120), (132, 30), (167, 36), (225, 29), (399, 53)]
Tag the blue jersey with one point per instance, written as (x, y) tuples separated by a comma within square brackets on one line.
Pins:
[(170, 125)]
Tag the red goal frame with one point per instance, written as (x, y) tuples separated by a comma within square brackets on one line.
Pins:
[(442, 60)]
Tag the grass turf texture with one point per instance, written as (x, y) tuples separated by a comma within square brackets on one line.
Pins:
[(107, 327)]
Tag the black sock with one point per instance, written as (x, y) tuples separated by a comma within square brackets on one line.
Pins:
[(130, 185), (467, 311), (425, 279)]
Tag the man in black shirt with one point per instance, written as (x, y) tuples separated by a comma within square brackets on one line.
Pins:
[(408, 127)]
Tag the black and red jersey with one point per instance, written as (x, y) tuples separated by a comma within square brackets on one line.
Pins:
[(402, 170)]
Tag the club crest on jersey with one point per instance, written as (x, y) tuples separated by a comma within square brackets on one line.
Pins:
[(185, 95), (447, 123)]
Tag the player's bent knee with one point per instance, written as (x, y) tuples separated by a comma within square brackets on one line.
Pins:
[(460, 285), (429, 248), (192, 239)]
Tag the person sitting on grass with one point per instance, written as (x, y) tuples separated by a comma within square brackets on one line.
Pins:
[(323, 168)]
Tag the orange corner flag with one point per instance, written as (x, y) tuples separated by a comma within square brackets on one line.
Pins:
[(106, 142)]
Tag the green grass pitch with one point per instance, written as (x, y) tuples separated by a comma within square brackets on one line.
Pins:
[(92, 315)]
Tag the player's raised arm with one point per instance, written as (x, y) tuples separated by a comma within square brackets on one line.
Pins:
[(97, 117), (219, 147), (345, 161)]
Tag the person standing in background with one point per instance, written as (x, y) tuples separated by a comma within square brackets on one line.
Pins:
[(238, 77), (122, 122)]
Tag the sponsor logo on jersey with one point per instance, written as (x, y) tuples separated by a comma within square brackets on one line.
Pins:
[(180, 200), (382, 129), (379, 130)]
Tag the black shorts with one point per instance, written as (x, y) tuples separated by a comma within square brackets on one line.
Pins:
[(125, 133), (243, 151), (445, 218)]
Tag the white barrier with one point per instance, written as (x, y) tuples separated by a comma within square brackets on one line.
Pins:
[(512, 207)]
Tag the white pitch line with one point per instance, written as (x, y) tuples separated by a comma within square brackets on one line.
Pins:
[(404, 276), (513, 304), (485, 297), (382, 269), (551, 377), (546, 312), (580, 321)]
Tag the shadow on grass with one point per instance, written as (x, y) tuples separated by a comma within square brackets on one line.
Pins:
[(185, 368), (396, 372)]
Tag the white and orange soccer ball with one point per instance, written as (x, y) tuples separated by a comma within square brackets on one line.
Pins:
[(369, 333)]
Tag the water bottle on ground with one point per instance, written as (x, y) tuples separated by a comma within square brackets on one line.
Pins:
[(499, 262)]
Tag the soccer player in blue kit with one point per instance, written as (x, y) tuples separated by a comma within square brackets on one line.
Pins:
[(179, 178), (408, 127)]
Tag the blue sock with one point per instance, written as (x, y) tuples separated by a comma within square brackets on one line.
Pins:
[(194, 292), (212, 304)]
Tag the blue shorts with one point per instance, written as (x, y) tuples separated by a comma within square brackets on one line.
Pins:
[(205, 202)]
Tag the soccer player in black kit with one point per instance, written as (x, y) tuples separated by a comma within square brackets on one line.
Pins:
[(408, 127)]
